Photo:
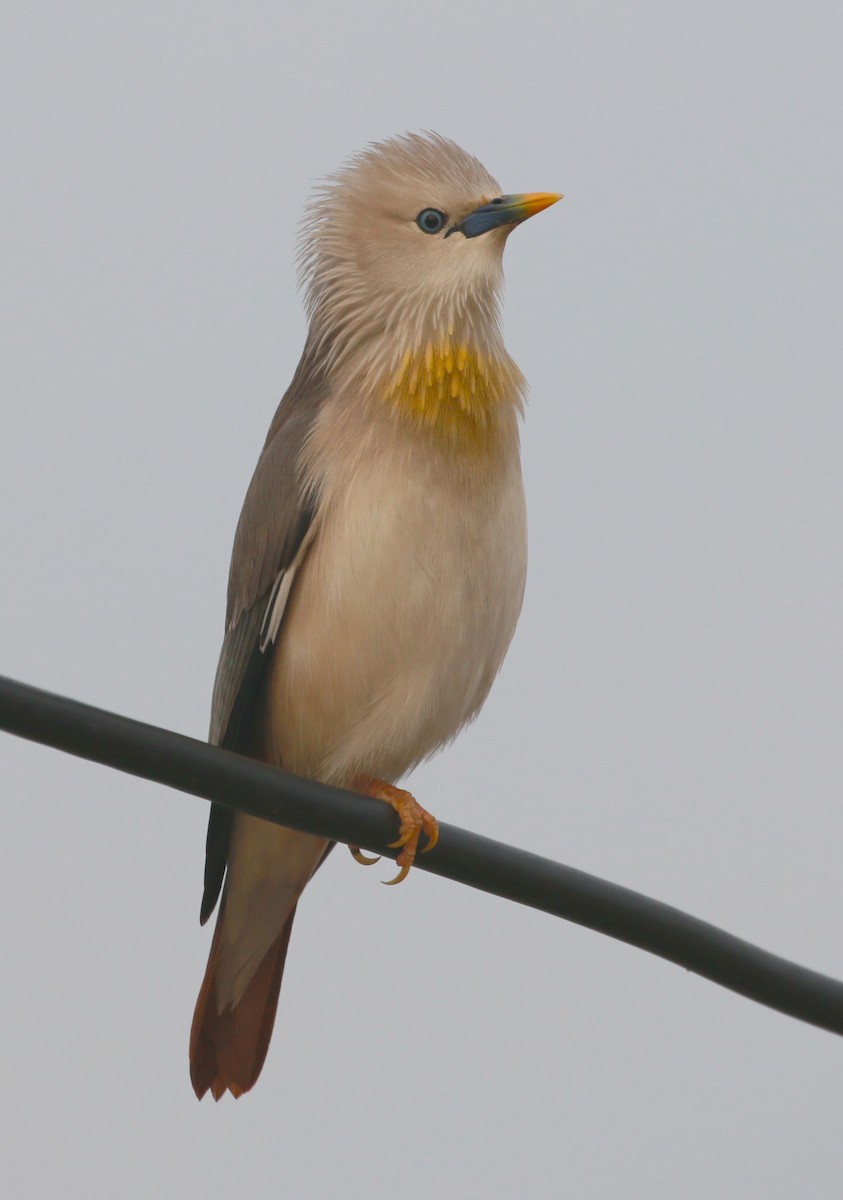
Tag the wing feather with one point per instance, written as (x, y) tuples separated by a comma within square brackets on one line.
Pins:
[(273, 534)]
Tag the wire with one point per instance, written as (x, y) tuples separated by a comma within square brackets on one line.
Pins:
[(262, 791)]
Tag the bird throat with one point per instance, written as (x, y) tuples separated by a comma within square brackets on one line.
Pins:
[(452, 390)]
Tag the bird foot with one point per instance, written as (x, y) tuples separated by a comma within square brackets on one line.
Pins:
[(415, 821)]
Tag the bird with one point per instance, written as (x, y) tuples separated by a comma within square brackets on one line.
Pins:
[(379, 561)]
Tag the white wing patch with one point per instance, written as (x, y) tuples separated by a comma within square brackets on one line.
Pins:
[(279, 595)]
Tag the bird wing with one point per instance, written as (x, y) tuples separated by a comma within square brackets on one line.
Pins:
[(273, 534)]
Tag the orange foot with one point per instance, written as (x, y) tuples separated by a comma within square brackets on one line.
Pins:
[(414, 821)]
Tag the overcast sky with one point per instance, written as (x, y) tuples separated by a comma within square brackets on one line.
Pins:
[(670, 713)]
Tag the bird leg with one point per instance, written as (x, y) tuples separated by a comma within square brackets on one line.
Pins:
[(415, 820)]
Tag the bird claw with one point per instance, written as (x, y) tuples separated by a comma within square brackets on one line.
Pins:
[(402, 874), (415, 821), (365, 860), (432, 835)]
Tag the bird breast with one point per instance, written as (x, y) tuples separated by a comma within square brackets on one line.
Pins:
[(403, 609)]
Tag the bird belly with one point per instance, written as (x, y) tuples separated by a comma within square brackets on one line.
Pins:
[(401, 614)]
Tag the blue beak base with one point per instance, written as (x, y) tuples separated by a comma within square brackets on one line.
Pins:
[(504, 210)]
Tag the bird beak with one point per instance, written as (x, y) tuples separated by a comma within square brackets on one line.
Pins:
[(505, 210)]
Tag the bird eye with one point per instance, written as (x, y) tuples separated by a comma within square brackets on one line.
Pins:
[(431, 220)]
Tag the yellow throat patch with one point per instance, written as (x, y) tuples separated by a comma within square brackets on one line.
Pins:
[(451, 389)]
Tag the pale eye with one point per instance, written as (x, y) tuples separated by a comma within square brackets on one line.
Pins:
[(431, 220)]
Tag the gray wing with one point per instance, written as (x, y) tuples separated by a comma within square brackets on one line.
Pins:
[(272, 535)]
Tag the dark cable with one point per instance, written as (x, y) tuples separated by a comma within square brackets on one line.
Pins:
[(262, 791)]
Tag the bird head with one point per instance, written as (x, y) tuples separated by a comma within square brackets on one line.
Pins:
[(404, 244)]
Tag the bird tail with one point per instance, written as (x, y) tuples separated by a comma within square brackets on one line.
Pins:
[(228, 1048)]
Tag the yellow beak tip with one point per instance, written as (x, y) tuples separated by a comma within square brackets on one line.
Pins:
[(531, 203)]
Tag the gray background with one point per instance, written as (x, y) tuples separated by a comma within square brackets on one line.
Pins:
[(670, 712)]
